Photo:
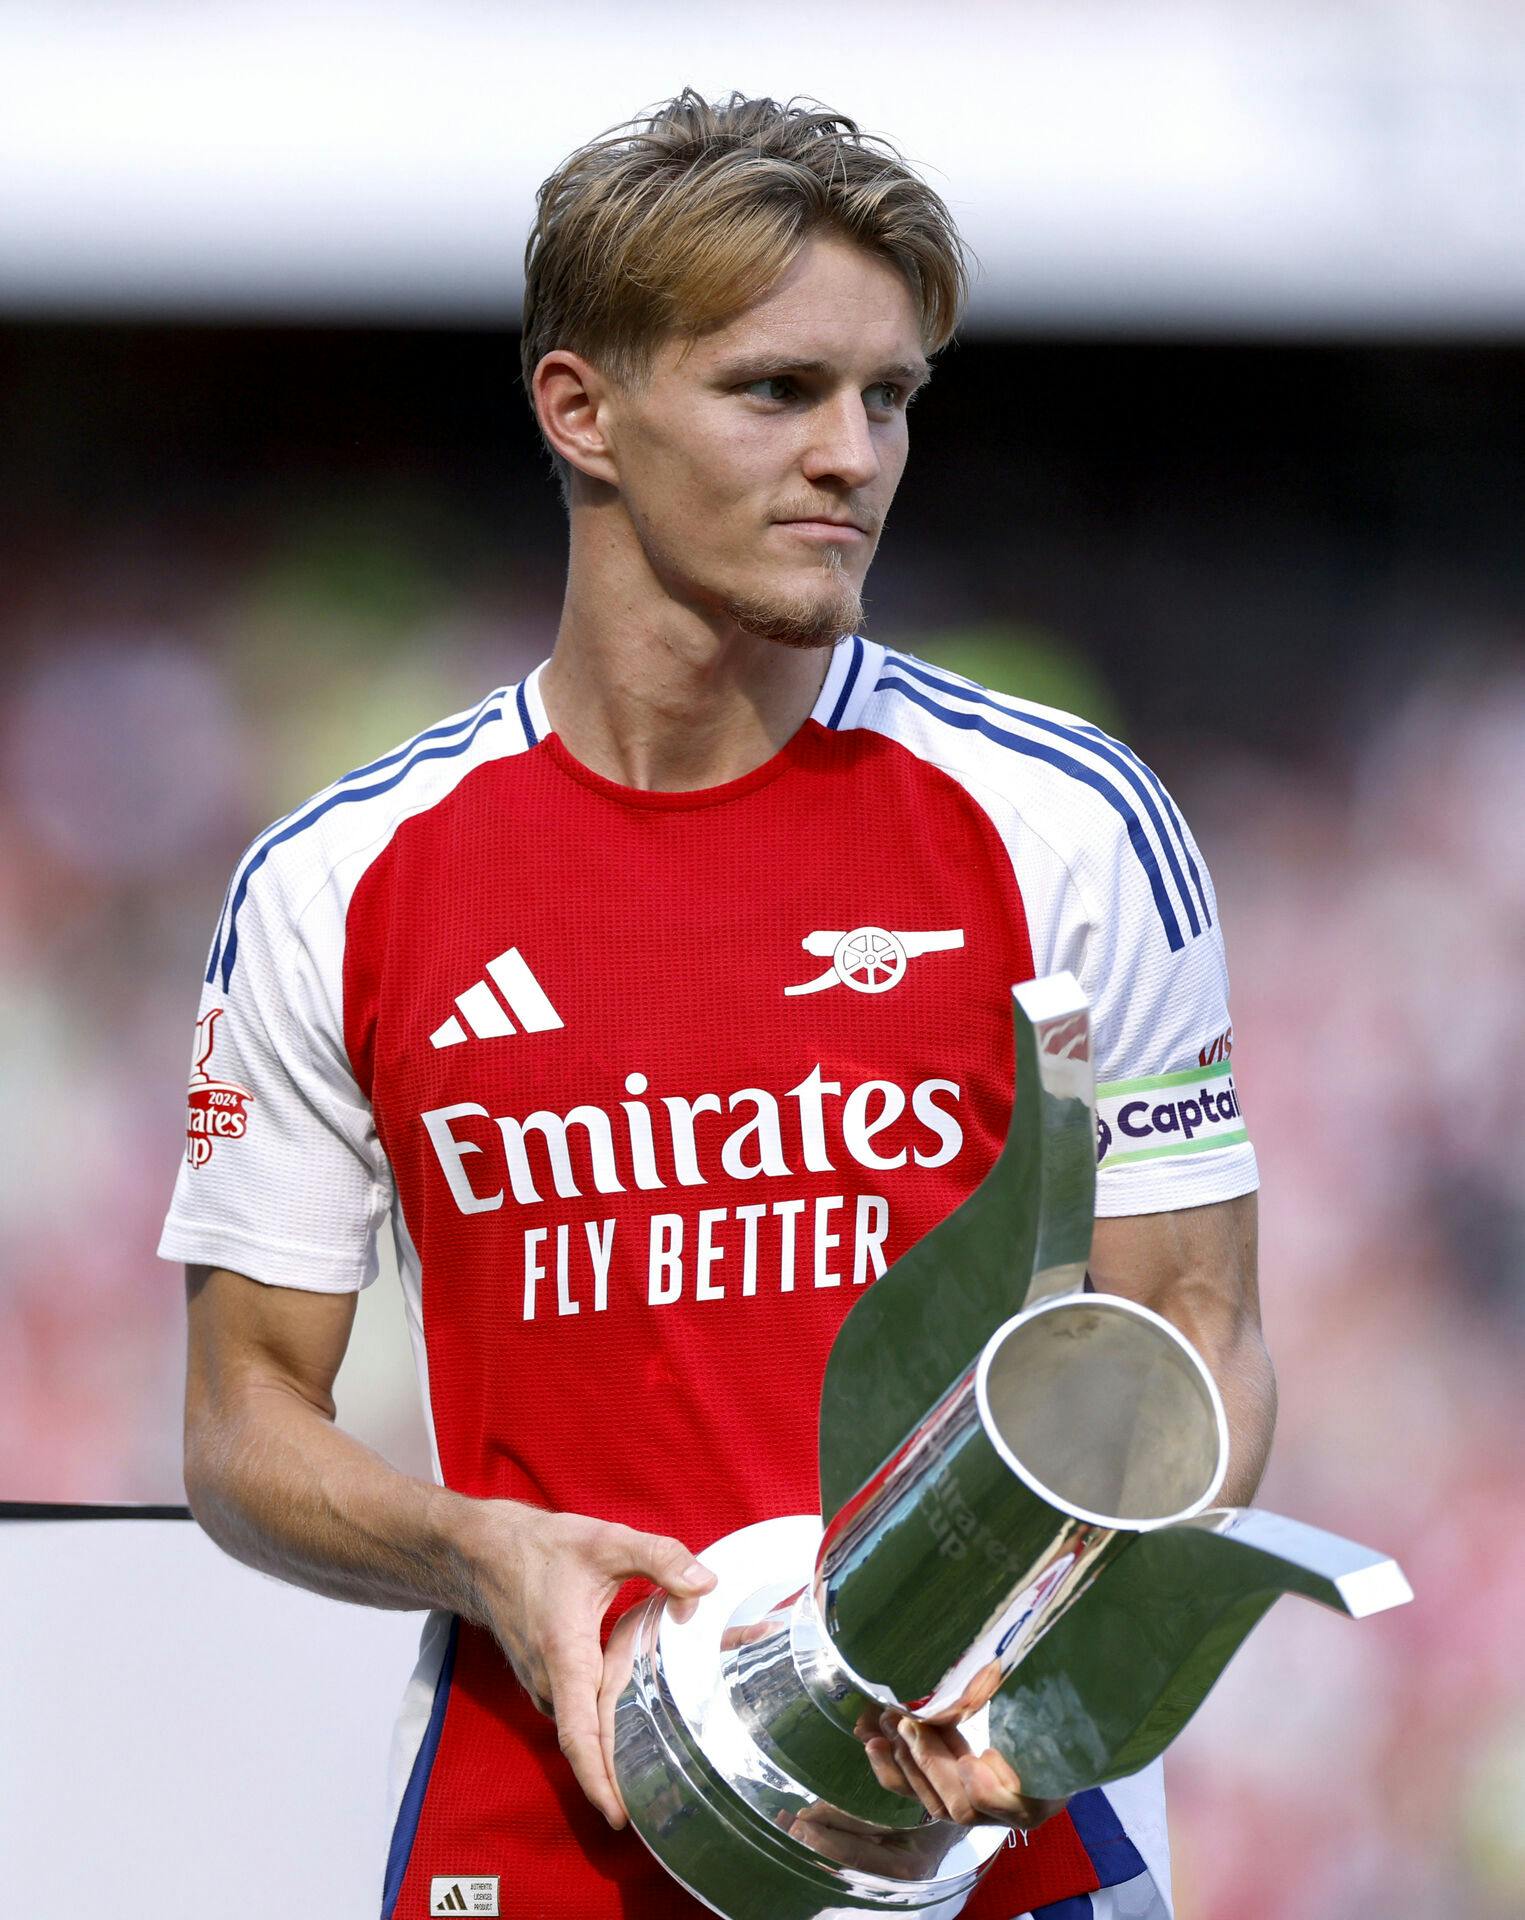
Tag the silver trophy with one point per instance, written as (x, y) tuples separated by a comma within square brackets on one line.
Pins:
[(1022, 1544)]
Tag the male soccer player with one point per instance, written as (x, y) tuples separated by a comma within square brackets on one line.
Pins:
[(660, 1001)]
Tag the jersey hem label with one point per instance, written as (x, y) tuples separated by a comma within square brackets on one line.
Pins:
[(464, 1893)]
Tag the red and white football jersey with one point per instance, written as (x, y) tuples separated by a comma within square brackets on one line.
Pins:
[(649, 1086)]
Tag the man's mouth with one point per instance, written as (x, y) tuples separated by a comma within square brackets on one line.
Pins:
[(832, 532)]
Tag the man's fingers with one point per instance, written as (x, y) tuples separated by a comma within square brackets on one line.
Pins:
[(574, 1701), (619, 1658), (915, 1776), (937, 1766), (1000, 1769), (881, 1757), (895, 1767), (940, 1769), (995, 1792)]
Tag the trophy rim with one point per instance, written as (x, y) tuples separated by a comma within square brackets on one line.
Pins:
[(1111, 1303)]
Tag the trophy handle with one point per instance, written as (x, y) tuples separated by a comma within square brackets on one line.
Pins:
[(1024, 1233), (1118, 1676)]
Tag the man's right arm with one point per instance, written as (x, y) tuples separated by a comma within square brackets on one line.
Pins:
[(279, 1486)]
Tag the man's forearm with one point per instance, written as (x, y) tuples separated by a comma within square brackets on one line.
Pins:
[(1247, 1382), (280, 1487), (1196, 1266), (1230, 1341)]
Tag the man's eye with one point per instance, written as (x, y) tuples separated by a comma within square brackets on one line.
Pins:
[(772, 386), (890, 396)]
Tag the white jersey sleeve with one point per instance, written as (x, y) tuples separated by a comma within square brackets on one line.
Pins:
[(283, 1177), (1115, 890), (1170, 1131)]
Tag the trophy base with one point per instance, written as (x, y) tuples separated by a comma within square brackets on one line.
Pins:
[(721, 1811)]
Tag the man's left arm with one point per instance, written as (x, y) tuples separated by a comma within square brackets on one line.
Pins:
[(1196, 1266), (1175, 1178)]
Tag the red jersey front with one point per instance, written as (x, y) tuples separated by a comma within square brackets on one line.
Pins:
[(650, 1086)]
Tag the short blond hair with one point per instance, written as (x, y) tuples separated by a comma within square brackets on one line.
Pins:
[(679, 219)]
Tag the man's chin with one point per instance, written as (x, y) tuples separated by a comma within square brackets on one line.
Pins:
[(808, 619)]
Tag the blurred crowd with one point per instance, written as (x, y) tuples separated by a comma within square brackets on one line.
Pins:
[(1373, 897)]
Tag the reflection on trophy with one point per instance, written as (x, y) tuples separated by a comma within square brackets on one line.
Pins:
[(1021, 1543)]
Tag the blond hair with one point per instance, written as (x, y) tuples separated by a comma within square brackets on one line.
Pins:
[(681, 218)]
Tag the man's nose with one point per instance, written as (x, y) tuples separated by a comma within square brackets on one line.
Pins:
[(841, 444)]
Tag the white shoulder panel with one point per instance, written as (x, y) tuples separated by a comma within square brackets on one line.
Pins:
[(1116, 890), (284, 1178), (342, 829)]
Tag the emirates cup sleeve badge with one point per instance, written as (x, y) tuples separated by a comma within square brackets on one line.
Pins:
[(216, 1109)]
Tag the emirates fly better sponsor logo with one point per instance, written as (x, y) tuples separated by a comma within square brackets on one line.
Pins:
[(677, 1141)]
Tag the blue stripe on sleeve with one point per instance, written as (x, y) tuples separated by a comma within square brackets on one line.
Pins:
[(298, 825), (1169, 805), (1094, 741), (1076, 769), (358, 773)]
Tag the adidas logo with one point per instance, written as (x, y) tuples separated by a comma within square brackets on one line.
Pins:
[(449, 1894), (484, 1012)]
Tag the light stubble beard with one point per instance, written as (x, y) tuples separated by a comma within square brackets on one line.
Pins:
[(803, 620)]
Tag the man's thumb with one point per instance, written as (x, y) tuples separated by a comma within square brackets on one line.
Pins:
[(671, 1565)]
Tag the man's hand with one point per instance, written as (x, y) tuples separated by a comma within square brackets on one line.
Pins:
[(938, 1767), (278, 1485), (545, 1581)]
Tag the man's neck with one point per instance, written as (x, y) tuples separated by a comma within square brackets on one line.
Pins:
[(657, 695)]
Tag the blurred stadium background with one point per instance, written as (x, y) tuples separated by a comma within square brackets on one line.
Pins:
[(1231, 458)]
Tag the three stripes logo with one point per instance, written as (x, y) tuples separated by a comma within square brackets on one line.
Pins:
[(463, 1893), (486, 1013)]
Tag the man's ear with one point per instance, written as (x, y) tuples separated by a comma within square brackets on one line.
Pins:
[(571, 402)]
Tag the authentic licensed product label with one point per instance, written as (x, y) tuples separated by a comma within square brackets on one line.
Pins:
[(464, 1893)]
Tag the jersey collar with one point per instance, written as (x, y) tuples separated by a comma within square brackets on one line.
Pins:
[(849, 681), (850, 676)]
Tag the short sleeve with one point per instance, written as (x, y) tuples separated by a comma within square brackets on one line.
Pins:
[(1170, 1129), (283, 1178)]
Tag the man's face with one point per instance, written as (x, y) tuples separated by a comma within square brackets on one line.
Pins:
[(757, 463)]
